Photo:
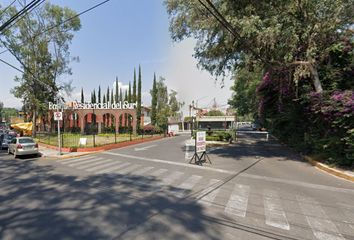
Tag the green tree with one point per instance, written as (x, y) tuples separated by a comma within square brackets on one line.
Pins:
[(153, 93), (138, 100), (43, 58), (82, 96), (1, 110), (107, 95), (129, 93), (244, 98), (104, 99), (126, 97), (116, 96), (112, 96), (173, 103), (94, 96), (271, 34), (215, 113), (99, 94), (120, 95), (163, 109), (134, 97), (7, 113)]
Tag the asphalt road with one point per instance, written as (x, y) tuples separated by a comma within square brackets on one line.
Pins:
[(252, 190)]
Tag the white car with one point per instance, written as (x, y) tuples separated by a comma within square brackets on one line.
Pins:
[(23, 146)]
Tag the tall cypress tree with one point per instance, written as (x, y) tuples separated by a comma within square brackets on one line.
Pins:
[(134, 88), (82, 96), (94, 96), (91, 97), (153, 93), (116, 97), (130, 93), (107, 95), (99, 94), (138, 114), (120, 95), (104, 98), (112, 96), (126, 95)]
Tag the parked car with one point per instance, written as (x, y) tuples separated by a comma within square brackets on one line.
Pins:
[(6, 141), (20, 146)]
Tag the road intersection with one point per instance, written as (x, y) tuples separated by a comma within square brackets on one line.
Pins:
[(149, 191)]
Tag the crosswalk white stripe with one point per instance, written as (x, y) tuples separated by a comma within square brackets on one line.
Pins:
[(169, 179), (207, 196), (238, 201), (92, 164), (141, 171), (101, 166), (322, 227), (128, 169), (158, 172), (71, 160), (84, 162), (188, 184), (108, 170), (274, 213)]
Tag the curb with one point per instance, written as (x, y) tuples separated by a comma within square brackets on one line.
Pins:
[(70, 156), (106, 147), (329, 170)]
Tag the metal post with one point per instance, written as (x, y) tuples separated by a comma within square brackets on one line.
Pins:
[(59, 139)]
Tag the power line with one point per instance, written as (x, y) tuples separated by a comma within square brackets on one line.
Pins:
[(9, 64), (7, 7), (221, 19), (67, 20), (26, 13), (29, 6), (52, 27)]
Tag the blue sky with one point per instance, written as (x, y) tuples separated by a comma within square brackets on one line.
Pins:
[(120, 35)]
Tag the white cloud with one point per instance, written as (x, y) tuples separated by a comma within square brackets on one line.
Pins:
[(191, 83)]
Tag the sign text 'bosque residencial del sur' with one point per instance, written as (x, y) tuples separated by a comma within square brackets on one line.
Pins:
[(79, 105)]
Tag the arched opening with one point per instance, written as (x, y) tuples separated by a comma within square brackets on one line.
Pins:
[(108, 123), (90, 123), (125, 123)]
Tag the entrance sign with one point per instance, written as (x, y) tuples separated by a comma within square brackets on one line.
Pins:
[(78, 105), (58, 116), (200, 142), (200, 148)]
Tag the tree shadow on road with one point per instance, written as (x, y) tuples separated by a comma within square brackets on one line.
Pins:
[(37, 203)]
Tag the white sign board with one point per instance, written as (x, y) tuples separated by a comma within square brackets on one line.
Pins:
[(58, 116), (200, 142), (83, 141)]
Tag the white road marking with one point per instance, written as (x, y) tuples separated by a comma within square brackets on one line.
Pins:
[(102, 166), (70, 160), (144, 148), (84, 166), (246, 175), (322, 227), (84, 162), (207, 196), (274, 213), (128, 169), (108, 170), (158, 172), (169, 179), (188, 184), (143, 170), (238, 201)]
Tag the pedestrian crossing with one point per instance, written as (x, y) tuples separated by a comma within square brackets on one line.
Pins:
[(206, 192)]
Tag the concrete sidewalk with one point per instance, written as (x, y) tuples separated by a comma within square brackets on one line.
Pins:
[(54, 154)]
